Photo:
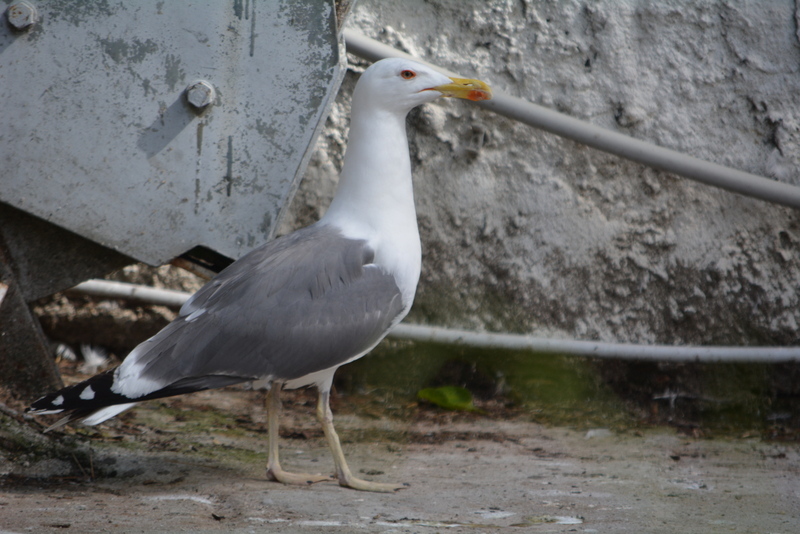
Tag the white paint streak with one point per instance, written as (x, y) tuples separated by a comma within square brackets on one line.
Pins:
[(180, 497)]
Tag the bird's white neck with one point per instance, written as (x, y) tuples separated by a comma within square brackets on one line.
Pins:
[(375, 197), (375, 182)]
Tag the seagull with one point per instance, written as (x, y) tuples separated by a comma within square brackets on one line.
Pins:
[(292, 311)]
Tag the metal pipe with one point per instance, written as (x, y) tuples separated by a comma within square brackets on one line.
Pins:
[(596, 349), (606, 140), (488, 340), (121, 290)]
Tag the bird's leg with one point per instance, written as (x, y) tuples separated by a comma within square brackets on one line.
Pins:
[(346, 477), (274, 470)]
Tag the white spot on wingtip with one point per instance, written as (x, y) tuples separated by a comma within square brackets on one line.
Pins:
[(88, 393), (58, 401)]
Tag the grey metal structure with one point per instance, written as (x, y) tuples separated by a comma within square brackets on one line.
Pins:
[(143, 130), (152, 127)]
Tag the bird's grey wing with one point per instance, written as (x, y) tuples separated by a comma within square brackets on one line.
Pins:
[(303, 303), (294, 260)]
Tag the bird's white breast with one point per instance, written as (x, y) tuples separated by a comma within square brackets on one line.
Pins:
[(397, 250)]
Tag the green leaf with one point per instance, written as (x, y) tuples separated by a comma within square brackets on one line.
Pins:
[(449, 398)]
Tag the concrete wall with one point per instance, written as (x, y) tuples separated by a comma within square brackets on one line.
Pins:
[(527, 232)]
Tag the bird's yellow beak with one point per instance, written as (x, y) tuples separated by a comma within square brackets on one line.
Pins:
[(465, 88)]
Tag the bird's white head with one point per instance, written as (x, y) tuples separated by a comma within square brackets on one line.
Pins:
[(398, 85)]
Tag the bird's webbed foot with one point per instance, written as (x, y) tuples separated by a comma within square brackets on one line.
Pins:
[(276, 473)]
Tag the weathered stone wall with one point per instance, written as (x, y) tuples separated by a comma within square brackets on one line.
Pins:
[(527, 232)]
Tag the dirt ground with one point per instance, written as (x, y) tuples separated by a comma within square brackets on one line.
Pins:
[(196, 464)]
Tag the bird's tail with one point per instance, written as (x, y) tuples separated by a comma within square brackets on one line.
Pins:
[(94, 400), (91, 401)]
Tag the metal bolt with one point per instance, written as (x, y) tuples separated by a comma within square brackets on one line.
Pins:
[(200, 94), (22, 15)]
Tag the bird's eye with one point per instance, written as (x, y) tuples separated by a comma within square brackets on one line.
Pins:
[(408, 74)]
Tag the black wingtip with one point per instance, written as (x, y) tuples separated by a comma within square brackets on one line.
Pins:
[(44, 405), (85, 397)]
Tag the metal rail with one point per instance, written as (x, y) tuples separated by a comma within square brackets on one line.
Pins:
[(615, 143)]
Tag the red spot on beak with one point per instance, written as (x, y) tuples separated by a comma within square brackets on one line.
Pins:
[(477, 95)]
